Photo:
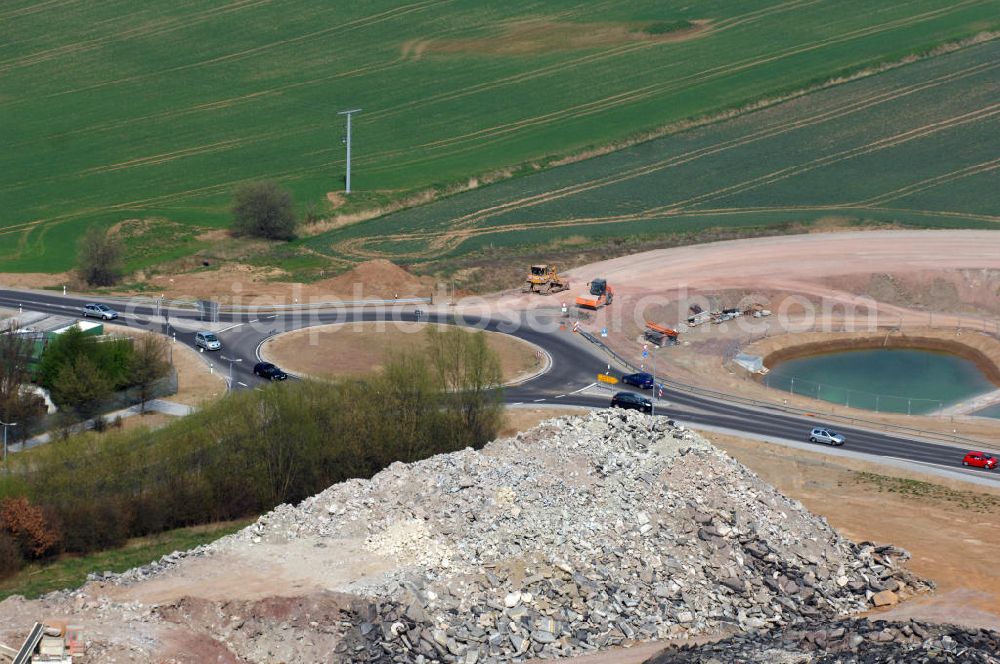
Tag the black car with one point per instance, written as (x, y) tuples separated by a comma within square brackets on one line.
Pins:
[(269, 371), (642, 380), (633, 401)]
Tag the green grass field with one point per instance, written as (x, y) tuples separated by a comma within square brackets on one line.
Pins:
[(917, 145), (113, 110)]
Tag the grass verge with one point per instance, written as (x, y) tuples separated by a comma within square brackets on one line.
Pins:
[(71, 571)]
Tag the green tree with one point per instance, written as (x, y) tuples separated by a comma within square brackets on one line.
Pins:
[(263, 209), (61, 351), (148, 363), (100, 257), (112, 357), (82, 387)]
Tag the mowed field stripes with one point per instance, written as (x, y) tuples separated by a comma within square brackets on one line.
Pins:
[(113, 111), (916, 144)]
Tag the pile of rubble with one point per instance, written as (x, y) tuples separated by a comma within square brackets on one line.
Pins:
[(582, 534), (852, 641)]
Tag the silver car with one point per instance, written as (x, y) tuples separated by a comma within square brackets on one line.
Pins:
[(102, 311), (207, 340), (828, 436)]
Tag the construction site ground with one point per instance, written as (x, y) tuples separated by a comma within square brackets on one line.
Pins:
[(931, 282)]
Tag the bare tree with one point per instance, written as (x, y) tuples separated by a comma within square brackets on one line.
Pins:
[(148, 365), (16, 404), (99, 257)]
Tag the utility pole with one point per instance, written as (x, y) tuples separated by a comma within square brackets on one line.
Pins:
[(347, 140), (5, 425), (231, 361)]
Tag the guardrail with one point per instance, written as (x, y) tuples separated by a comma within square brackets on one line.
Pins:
[(792, 410)]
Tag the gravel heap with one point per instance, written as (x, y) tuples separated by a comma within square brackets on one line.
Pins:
[(581, 534), (850, 641)]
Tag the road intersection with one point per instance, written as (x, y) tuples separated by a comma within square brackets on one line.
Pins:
[(568, 381)]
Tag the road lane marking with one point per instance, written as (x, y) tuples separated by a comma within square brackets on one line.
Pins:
[(226, 329), (584, 388), (242, 383), (537, 400), (560, 396)]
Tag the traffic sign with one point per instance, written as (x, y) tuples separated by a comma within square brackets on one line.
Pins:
[(604, 331), (605, 378), (645, 353), (564, 307)]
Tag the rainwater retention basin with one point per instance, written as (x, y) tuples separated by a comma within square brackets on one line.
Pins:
[(897, 380)]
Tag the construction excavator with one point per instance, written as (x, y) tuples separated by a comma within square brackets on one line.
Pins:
[(600, 294), (544, 280)]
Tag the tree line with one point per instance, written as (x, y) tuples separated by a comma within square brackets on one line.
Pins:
[(250, 451)]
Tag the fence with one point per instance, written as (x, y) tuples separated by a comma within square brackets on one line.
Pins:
[(164, 387), (853, 398)]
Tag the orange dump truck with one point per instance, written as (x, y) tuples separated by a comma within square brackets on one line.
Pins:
[(661, 335), (600, 294)]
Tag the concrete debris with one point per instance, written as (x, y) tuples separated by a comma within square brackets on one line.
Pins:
[(582, 534), (851, 641)]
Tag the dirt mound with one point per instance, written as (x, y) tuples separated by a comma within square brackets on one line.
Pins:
[(377, 279)]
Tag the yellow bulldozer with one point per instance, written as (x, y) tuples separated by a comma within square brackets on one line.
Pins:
[(545, 280)]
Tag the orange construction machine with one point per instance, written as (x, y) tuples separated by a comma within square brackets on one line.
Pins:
[(661, 335), (600, 294)]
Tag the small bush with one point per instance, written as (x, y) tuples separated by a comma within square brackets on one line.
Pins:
[(265, 210), (34, 531), (99, 258)]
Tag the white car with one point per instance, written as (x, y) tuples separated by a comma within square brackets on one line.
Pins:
[(207, 340), (101, 311), (819, 435)]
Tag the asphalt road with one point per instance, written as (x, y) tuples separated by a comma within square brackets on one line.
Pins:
[(574, 366)]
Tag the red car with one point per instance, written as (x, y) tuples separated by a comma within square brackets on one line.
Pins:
[(980, 460)]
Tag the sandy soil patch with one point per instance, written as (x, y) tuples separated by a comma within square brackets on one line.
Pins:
[(547, 36), (196, 384), (358, 349), (148, 420), (247, 285), (951, 532), (35, 279)]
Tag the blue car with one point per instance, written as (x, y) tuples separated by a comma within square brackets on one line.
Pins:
[(642, 380)]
